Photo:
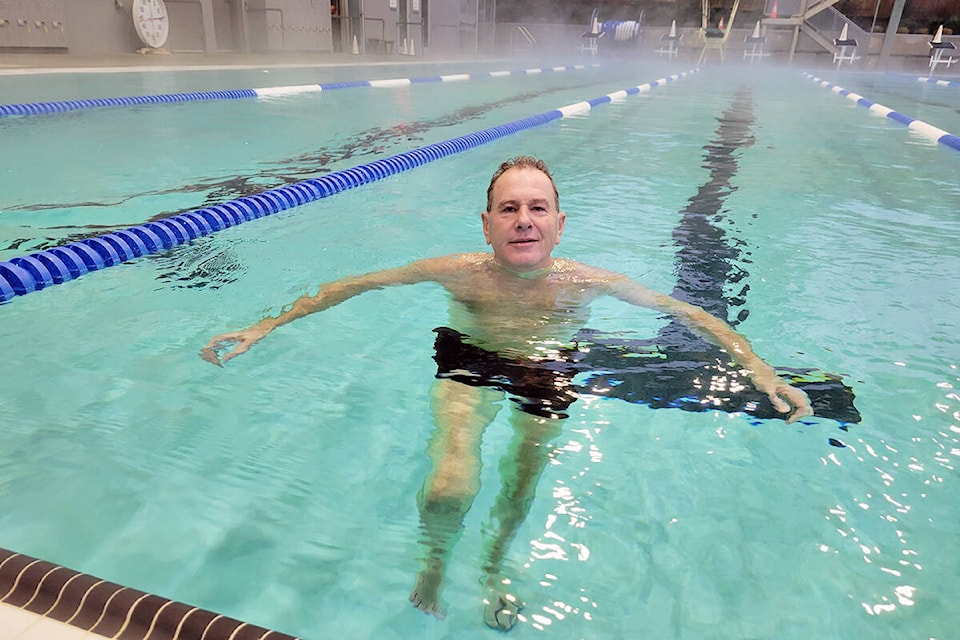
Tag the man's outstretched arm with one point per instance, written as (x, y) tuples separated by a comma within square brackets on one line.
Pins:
[(329, 295), (784, 397)]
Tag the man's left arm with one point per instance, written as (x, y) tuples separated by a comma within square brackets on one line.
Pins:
[(785, 398)]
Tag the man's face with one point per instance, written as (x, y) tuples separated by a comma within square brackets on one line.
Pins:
[(524, 224)]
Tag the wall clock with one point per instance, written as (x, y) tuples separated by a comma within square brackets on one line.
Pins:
[(151, 21)]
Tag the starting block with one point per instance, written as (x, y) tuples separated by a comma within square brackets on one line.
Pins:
[(755, 41), (938, 49), (846, 48), (590, 40), (671, 42)]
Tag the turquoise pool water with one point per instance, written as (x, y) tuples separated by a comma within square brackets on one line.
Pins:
[(281, 489)]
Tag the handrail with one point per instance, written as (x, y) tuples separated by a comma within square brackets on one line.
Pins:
[(707, 32), (383, 30), (815, 8), (831, 21), (525, 33), (408, 23)]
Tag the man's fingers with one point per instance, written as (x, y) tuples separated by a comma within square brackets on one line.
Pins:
[(800, 412), (211, 353), (233, 354), (242, 346), (220, 341), (781, 405), (792, 400), (210, 356)]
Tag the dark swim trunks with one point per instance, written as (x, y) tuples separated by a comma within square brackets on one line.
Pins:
[(540, 387)]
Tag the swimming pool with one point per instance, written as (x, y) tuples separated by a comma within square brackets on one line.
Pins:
[(281, 489)]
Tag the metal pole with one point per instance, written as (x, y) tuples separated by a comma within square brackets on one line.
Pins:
[(493, 29), (240, 25), (793, 43), (891, 33), (209, 31)]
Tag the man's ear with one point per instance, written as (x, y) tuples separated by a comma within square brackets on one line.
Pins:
[(561, 219), (485, 217)]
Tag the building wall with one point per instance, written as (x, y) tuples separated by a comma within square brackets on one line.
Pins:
[(445, 28), (288, 25), (435, 27), (106, 26), (82, 26), (86, 27)]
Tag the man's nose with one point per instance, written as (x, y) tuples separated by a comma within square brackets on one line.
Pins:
[(523, 218)]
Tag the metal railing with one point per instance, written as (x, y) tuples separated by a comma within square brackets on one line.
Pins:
[(830, 23), (521, 39), (403, 26)]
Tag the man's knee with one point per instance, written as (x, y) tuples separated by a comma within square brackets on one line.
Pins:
[(450, 483), (435, 505)]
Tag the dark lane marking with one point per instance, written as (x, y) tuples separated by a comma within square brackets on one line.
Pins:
[(678, 369)]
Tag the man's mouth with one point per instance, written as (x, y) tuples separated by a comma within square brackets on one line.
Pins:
[(523, 241)]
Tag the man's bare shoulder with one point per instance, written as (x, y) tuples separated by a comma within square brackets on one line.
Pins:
[(454, 263), (584, 272), (608, 282), (446, 270)]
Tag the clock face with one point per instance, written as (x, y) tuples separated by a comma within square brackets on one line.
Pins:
[(151, 21)]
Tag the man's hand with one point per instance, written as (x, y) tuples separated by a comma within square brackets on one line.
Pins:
[(786, 398), (242, 339)]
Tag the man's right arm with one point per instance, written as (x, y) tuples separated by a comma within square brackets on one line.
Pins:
[(784, 397), (329, 295)]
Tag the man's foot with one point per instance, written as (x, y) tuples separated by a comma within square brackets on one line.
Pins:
[(501, 605), (426, 593)]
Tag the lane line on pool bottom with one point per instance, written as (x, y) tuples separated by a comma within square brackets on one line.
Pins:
[(60, 106), (25, 274), (926, 130)]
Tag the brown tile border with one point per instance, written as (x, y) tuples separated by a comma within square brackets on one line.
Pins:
[(110, 609)]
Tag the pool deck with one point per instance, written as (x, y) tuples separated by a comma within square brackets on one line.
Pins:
[(31, 63), (36, 63)]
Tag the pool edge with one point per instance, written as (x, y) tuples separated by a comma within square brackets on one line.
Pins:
[(92, 605)]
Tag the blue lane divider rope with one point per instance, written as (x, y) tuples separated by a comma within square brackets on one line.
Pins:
[(40, 108), (940, 82), (24, 274), (921, 127)]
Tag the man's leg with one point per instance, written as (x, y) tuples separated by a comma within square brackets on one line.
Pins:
[(520, 470), (460, 414)]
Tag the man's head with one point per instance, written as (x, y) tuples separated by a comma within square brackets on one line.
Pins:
[(522, 162), (523, 221)]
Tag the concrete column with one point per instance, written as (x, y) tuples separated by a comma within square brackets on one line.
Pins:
[(209, 31), (891, 34), (793, 43), (238, 15)]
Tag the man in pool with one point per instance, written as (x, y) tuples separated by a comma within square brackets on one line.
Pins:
[(514, 314)]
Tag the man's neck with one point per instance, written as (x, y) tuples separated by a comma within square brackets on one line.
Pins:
[(525, 274)]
